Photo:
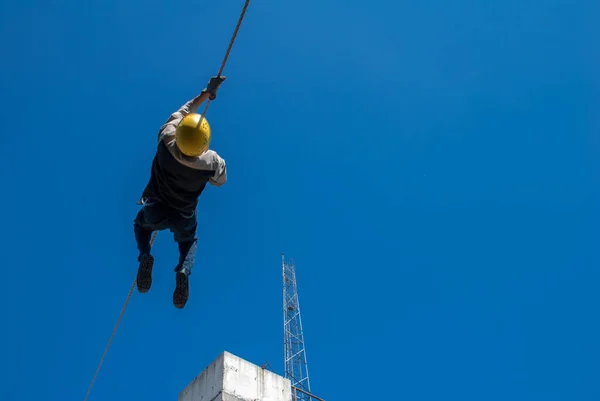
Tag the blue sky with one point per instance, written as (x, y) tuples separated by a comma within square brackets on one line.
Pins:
[(431, 166)]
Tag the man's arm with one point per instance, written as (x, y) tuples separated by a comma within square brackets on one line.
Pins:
[(220, 168), (197, 101)]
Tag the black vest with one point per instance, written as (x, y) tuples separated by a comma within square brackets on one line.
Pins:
[(173, 183)]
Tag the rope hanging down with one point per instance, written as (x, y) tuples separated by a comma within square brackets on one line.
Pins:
[(239, 23)]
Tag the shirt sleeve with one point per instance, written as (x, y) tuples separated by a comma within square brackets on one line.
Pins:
[(167, 131), (220, 168)]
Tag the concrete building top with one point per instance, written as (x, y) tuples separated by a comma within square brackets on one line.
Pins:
[(230, 378)]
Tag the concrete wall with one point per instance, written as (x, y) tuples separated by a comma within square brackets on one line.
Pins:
[(230, 378), (208, 385)]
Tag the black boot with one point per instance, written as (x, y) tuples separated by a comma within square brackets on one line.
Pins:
[(182, 290), (144, 275)]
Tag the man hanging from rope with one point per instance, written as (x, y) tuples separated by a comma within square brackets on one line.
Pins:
[(181, 168)]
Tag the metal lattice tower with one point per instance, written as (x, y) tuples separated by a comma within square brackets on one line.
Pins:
[(296, 368)]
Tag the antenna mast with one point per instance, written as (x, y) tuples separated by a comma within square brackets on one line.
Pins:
[(296, 367)]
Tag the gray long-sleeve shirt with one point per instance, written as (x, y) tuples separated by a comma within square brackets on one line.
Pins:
[(176, 179)]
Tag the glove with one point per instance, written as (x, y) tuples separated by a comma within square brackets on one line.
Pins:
[(213, 86)]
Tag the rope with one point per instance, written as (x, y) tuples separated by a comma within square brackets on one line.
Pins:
[(235, 32), (115, 329), (110, 340)]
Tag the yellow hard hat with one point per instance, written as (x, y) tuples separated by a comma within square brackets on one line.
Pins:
[(192, 139)]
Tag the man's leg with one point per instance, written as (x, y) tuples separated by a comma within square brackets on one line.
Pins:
[(187, 255), (148, 219), (184, 230), (142, 235)]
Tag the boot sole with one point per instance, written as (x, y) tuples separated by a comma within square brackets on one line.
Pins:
[(181, 293), (144, 275)]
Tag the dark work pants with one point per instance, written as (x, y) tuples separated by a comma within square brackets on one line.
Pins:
[(156, 216)]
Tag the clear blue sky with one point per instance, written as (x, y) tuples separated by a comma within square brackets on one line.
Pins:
[(432, 166)]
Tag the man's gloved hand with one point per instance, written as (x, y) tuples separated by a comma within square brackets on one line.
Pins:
[(213, 86)]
